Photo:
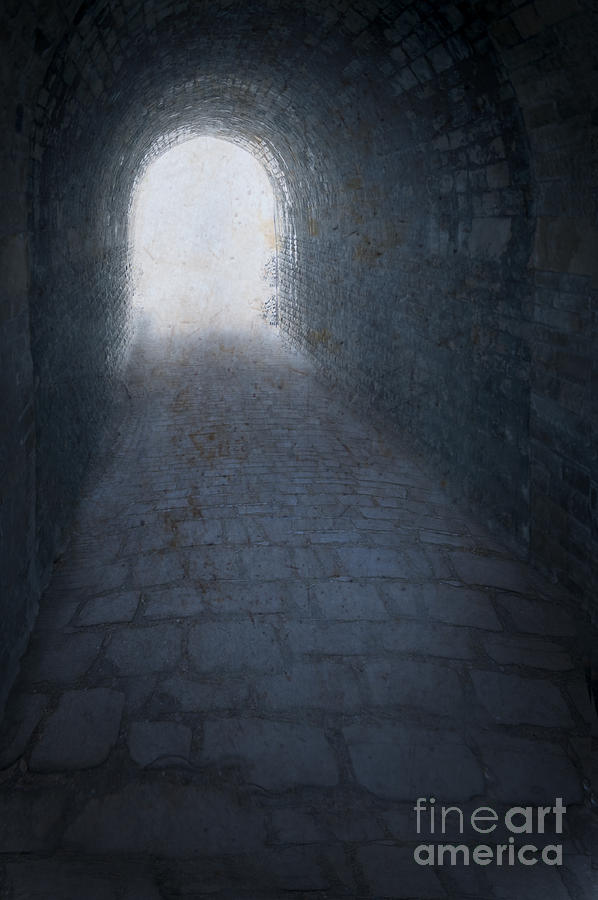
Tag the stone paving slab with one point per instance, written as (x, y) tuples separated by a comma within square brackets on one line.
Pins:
[(28, 819), (188, 695), (155, 742), (152, 648), (525, 651), (21, 719), (333, 821), (460, 606), (160, 567), (232, 646), (140, 819), (329, 685), (81, 732), (227, 597), (57, 612), (512, 699), (350, 600), (70, 880), (533, 883), (519, 770), (428, 640), (536, 616), (305, 871), (422, 686), (501, 573), (138, 690), (112, 608), (387, 563), (279, 755), (390, 872), (92, 578), (63, 658), (402, 762)]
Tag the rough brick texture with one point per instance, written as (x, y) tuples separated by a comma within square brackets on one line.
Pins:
[(435, 168)]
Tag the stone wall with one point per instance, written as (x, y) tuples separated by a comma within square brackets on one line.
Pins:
[(551, 52)]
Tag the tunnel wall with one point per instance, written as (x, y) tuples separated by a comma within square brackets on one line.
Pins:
[(434, 166), (78, 312), (416, 288), (22, 72), (551, 51)]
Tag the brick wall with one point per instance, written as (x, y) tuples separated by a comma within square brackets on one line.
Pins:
[(550, 49)]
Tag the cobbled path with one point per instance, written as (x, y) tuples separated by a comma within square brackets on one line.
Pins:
[(270, 634)]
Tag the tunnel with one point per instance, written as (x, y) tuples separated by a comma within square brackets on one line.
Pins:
[(272, 598)]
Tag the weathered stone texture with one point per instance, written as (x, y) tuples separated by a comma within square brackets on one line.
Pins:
[(435, 172)]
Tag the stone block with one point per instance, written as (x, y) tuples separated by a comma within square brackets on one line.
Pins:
[(490, 237), (535, 616), (144, 649), (362, 562), (424, 687), (156, 743), (81, 732), (317, 685), (275, 755), (14, 262), (72, 879), (460, 606), (62, 658), (514, 700), (423, 639), (566, 245), (31, 820), (233, 646), (391, 871), (348, 600), (525, 771), (538, 882), (188, 695), (524, 651), (140, 819), (490, 571), (403, 763), (19, 724), (110, 608)]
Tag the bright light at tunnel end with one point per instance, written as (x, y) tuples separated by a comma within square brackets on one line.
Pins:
[(203, 241)]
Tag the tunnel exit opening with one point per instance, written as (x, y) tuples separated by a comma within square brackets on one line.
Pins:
[(203, 239)]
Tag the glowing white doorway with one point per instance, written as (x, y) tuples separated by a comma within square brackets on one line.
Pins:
[(203, 238)]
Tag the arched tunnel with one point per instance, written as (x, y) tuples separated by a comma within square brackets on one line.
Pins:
[(261, 593)]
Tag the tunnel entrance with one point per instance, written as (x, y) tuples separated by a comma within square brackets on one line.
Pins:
[(203, 239)]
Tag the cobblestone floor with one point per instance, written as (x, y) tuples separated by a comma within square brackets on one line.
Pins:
[(270, 634)]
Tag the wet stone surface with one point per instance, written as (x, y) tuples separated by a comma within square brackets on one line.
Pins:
[(261, 659)]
